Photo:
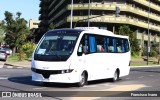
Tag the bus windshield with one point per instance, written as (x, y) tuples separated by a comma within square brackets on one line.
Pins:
[(56, 46)]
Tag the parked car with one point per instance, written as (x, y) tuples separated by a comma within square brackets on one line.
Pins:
[(3, 55), (7, 50)]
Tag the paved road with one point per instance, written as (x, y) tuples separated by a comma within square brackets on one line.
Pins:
[(1, 64), (140, 79)]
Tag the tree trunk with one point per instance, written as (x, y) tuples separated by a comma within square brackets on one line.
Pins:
[(14, 51)]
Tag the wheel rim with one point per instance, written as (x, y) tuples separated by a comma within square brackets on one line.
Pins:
[(115, 75), (82, 81)]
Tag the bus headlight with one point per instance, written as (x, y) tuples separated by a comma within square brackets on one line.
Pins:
[(63, 71), (66, 71)]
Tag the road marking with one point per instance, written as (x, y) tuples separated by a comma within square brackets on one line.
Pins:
[(39, 88), (1, 66), (3, 78), (128, 78), (141, 77), (126, 87), (9, 66), (3, 75), (120, 88)]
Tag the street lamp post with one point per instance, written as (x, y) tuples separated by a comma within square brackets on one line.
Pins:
[(71, 13), (88, 12), (148, 45)]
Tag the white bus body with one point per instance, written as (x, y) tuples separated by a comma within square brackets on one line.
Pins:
[(94, 55)]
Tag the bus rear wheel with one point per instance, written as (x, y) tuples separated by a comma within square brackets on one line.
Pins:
[(115, 76), (83, 80)]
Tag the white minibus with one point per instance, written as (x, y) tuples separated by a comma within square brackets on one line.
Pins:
[(80, 55)]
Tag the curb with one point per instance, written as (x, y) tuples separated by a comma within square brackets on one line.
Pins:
[(144, 66), (7, 64), (11, 65), (16, 66)]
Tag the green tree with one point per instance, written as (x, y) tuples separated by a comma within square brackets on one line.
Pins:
[(51, 26), (125, 30), (16, 31), (28, 48), (2, 32)]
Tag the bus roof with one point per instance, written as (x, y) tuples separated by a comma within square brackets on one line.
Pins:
[(92, 30)]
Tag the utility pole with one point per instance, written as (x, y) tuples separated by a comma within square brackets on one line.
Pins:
[(88, 12), (148, 45), (71, 13), (159, 52)]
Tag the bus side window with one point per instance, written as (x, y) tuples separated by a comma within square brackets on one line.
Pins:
[(107, 44), (114, 45), (111, 45), (123, 49), (92, 44), (126, 45), (83, 46), (119, 45), (86, 47), (100, 43), (80, 48)]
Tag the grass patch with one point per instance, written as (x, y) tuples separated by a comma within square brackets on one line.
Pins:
[(140, 62), (143, 63), (135, 56), (12, 58)]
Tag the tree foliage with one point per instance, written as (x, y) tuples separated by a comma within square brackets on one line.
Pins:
[(125, 30), (51, 26), (2, 32), (28, 48), (16, 31)]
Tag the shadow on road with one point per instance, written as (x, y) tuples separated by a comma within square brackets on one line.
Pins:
[(24, 80), (27, 81)]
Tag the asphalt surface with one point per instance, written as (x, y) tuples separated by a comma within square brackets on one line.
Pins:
[(139, 79)]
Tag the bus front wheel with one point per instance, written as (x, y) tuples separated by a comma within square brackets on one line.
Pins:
[(115, 76), (83, 80)]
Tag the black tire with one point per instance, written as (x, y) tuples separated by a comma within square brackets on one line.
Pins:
[(83, 80), (115, 76)]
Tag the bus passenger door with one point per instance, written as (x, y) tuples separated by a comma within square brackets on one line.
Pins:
[(86, 56)]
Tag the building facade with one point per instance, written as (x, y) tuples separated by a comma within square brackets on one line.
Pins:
[(134, 13), (33, 23)]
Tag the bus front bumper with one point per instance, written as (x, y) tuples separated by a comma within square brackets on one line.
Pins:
[(72, 77)]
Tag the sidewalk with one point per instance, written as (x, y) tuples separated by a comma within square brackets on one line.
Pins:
[(25, 64), (145, 66)]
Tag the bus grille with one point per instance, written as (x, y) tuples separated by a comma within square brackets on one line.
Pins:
[(46, 73)]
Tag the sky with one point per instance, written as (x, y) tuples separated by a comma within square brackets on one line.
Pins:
[(28, 8)]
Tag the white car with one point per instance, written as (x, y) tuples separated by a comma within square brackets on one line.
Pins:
[(8, 51), (3, 55)]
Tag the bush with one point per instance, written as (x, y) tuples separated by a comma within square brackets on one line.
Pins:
[(153, 53), (144, 52), (28, 49), (21, 55)]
